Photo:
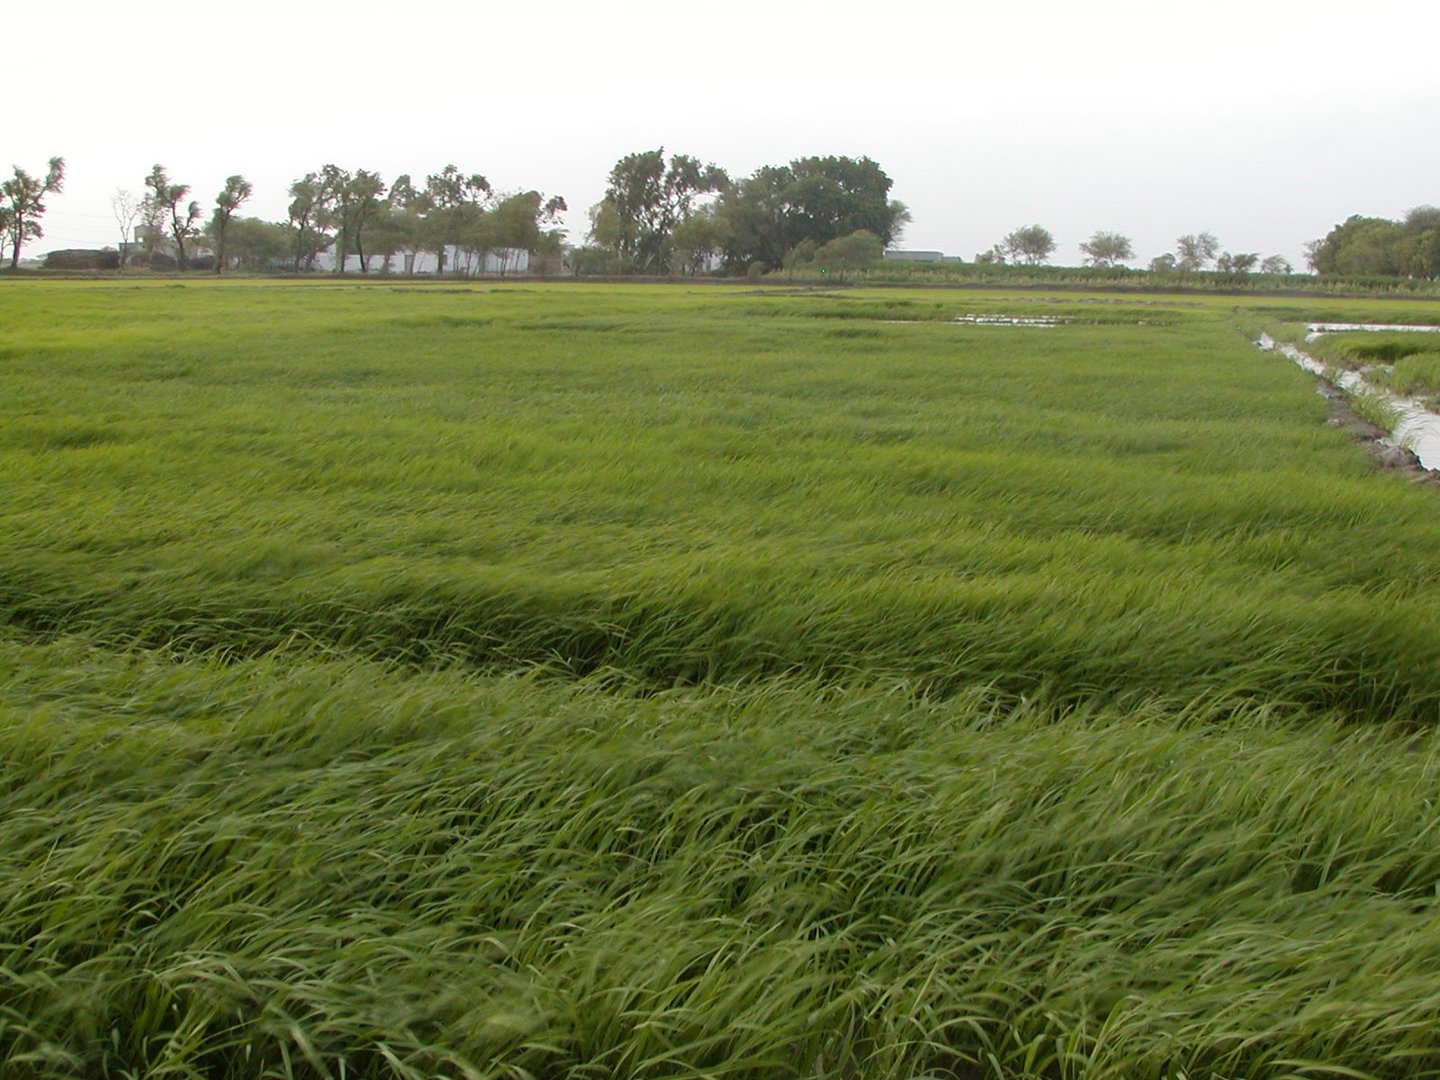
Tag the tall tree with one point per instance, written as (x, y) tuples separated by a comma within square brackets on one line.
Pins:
[(1031, 245), (1359, 246), (400, 226), (1107, 249), (761, 220), (1380, 246), (453, 205), (24, 205), (818, 199), (236, 190), (839, 196), (1417, 252), (309, 207), (166, 198), (354, 200), (697, 240), (518, 223), (257, 245), (645, 199), (127, 210), (1195, 251), (1239, 264)]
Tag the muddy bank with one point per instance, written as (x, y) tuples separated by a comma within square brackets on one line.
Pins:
[(1391, 451)]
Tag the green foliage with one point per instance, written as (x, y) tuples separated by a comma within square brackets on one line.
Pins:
[(1408, 363), (298, 866), (697, 240), (817, 199), (308, 210), (1366, 246), (236, 191), (164, 210), (451, 209), (1237, 265), (256, 245), (579, 681), (1031, 245), (593, 479), (1195, 251), (22, 205), (646, 200), (1107, 249), (349, 203), (1374, 406), (856, 251)]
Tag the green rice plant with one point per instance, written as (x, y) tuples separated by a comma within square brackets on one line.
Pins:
[(1375, 406), (635, 682), (657, 482), (1417, 375), (296, 866)]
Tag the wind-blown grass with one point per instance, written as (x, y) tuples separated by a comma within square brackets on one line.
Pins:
[(691, 487), (292, 867), (608, 683)]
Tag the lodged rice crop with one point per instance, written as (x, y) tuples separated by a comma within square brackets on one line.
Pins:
[(326, 868), (648, 682), (696, 486)]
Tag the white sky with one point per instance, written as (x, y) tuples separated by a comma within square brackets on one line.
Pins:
[(1265, 122)]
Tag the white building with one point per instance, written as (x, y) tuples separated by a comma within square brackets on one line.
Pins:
[(491, 263), (896, 255)]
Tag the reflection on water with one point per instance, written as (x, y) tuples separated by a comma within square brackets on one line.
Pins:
[(1416, 427), (1006, 320), (1320, 329)]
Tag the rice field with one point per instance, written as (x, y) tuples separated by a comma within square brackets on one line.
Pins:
[(542, 681)]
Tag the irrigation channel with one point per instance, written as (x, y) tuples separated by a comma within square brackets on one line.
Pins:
[(1416, 428)]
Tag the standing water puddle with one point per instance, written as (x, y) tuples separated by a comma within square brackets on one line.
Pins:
[(1006, 320), (988, 320), (1320, 329), (1415, 427)]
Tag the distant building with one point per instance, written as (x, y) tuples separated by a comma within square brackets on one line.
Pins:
[(495, 262), (158, 245), (80, 259), (896, 255)]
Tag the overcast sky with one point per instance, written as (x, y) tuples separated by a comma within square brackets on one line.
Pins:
[(1265, 122)]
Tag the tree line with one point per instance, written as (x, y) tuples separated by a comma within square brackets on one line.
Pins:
[(449, 214), (1378, 247), (1032, 245), (662, 216), (659, 216)]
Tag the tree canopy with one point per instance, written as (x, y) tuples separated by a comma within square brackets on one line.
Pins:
[(1030, 245), (24, 205), (856, 251), (1195, 251), (1107, 249), (163, 201), (645, 200), (818, 199), (1371, 247), (236, 191)]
